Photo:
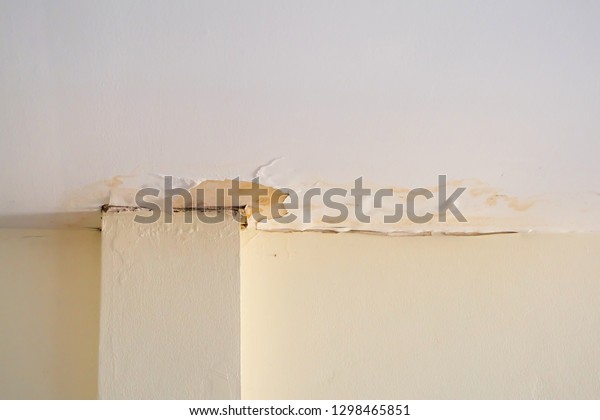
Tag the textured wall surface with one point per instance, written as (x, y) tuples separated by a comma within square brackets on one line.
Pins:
[(323, 315), (361, 316), (49, 313), (170, 309)]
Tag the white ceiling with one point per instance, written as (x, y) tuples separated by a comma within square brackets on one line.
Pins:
[(503, 93)]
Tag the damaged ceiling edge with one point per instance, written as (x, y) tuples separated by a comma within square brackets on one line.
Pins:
[(244, 223), (487, 210), (338, 230)]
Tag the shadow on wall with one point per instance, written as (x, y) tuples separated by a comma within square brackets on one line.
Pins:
[(74, 219), (49, 313)]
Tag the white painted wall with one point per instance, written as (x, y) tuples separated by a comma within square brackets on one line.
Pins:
[(344, 316), (49, 313), (170, 309), (395, 91)]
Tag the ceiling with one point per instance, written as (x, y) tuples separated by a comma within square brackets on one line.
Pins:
[(502, 94)]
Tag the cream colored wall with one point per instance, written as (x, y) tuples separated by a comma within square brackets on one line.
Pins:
[(338, 316), (170, 309), (360, 316), (49, 313)]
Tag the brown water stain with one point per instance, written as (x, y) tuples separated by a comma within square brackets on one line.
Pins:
[(215, 193)]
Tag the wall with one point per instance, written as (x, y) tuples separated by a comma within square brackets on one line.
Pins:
[(358, 316), (337, 315), (49, 313), (170, 314)]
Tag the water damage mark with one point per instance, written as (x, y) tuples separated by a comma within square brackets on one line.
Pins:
[(488, 211), (238, 212)]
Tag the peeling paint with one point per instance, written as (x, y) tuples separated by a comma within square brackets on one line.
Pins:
[(210, 189), (488, 210)]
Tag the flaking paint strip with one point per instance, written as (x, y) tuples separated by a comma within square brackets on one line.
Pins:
[(488, 211)]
